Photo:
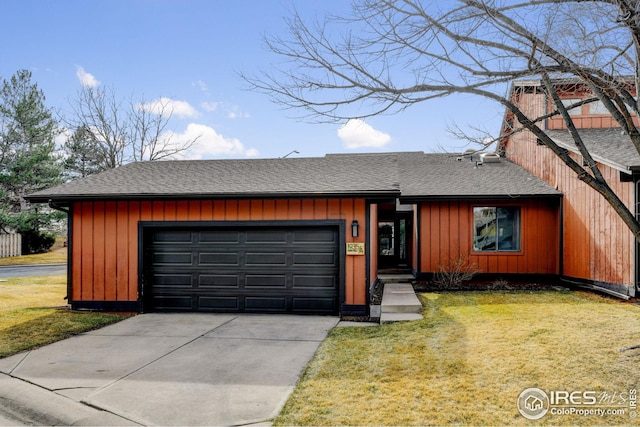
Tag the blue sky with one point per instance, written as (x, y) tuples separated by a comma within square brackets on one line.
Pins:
[(191, 52)]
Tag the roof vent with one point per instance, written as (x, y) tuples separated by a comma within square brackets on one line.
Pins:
[(469, 153), (490, 158)]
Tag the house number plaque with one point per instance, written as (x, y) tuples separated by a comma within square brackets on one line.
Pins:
[(355, 248)]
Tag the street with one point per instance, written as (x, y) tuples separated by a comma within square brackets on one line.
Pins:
[(32, 270)]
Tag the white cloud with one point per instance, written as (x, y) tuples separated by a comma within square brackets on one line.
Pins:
[(209, 143), (235, 113), (201, 85), (181, 109), (357, 134), (210, 106), (86, 79)]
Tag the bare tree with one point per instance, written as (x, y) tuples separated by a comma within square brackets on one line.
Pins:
[(149, 140), (123, 131), (391, 54)]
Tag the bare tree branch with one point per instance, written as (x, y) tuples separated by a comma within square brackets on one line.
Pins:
[(391, 54), (123, 132)]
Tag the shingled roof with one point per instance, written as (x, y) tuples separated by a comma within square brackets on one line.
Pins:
[(442, 176), (414, 175), (610, 146)]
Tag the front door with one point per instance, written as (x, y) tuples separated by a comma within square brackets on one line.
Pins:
[(394, 241)]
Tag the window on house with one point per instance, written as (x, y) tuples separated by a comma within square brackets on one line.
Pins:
[(568, 102), (496, 229), (598, 107)]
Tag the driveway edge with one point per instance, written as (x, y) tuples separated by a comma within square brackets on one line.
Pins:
[(23, 403)]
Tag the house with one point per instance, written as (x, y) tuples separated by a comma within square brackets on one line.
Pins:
[(598, 251), (298, 235)]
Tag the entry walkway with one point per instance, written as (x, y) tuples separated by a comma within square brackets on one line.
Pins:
[(399, 303)]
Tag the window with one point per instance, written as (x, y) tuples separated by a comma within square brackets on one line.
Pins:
[(598, 107), (575, 111), (496, 229)]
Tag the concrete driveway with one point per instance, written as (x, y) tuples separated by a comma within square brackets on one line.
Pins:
[(164, 369)]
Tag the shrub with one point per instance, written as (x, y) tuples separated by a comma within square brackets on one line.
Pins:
[(455, 272), (36, 242)]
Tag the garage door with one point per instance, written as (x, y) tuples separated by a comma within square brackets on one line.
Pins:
[(280, 270)]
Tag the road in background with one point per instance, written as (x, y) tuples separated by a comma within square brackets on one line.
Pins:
[(32, 270)]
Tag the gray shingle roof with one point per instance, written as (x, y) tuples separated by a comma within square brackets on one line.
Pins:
[(415, 175), (445, 176), (608, 146)]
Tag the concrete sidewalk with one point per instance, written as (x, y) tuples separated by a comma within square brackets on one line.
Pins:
[(164, 369)]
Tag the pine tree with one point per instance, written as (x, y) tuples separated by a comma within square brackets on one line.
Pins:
[(28, 160)]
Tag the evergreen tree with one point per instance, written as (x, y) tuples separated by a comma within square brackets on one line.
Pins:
[(84, 154), (28, 160)]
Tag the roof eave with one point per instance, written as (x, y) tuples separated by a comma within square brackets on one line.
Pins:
[(444, 197), (629, 169), (62, 198)]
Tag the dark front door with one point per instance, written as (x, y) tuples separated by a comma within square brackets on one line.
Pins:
[(394, 241), (261, 269)]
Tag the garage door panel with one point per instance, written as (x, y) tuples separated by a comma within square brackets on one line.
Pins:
[(173, 302), (326, 282), (314, 236), (172, 258), (218, 281), (219, 236), (266, 236), (230, 303), (314, 258), (266, 258), (181, 280), (265, 304), (266, 281), (292, 269), (173, 236), (218, 258), (313, 305)]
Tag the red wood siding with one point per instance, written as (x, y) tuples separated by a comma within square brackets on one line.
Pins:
[(587, 122), (446, 232), (596, 243), (105, 237)]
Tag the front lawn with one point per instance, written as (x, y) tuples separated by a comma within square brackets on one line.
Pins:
[(470, 358), (33, 313)]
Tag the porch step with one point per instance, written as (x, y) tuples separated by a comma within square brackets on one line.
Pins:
[(399, 303), (396, 278), (399, 317)]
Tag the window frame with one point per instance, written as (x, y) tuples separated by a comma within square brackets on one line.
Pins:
[(497, 250)]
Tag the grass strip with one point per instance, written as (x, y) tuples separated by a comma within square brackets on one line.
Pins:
[(33, 314)]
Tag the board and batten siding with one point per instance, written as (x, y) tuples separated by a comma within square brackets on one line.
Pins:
[(105, 237), (446, 233), (597, 245)]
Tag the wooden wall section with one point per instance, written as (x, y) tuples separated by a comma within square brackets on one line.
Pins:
[(105, 237), (597, 246), (446, 232)]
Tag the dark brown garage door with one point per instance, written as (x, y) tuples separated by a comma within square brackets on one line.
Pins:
[(280, 270)]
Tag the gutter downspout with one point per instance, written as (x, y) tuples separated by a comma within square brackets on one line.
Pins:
[(57, 207)]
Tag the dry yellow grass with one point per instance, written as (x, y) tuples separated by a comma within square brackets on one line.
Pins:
[(57, 255), (469, 359), (32, 314)]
